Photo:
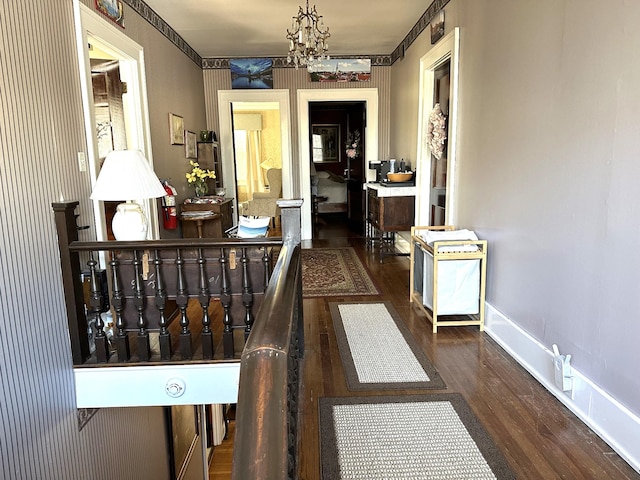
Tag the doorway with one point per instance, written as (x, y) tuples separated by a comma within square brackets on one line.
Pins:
[(95, 38), (337, 176), (369, 97), (266, 114), (437, 182)]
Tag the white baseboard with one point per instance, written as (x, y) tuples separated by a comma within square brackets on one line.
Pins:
[(610, 420)]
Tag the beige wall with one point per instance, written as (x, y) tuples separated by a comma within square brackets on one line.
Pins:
[(548, 169), (294, 80), (174, 84)]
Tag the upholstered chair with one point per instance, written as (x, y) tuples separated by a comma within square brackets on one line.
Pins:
[(263, 204)]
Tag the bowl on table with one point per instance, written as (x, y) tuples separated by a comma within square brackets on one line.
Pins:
[(400, 177)]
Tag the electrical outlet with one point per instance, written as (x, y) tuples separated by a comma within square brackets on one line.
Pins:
[(562, 370), (82, 162)]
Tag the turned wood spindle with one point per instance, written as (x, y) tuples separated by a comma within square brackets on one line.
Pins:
[(117, 300), (95, 304), (247, 294), (144, 348), (225, 299), (182, 299), (204, 297), (164, 337)]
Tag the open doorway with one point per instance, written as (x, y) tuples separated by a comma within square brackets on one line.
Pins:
[(255, 143), (116, 118), (437, 182), (337, 168), (369, 97)]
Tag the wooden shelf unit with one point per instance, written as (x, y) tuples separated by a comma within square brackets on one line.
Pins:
[(416, 298)]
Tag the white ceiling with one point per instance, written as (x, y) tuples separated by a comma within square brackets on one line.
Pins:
[(248, 28)]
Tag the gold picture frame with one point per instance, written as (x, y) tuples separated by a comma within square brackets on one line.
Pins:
[(176, 129), (190, 142)]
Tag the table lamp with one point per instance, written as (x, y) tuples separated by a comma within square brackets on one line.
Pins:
[(126, 175)]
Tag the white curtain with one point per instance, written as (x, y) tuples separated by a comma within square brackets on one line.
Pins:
[(255, 174), (250, 176)]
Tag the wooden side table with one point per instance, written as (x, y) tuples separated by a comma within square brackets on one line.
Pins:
[(199, 221)]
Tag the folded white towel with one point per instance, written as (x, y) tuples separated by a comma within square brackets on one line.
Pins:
[(431, 236)]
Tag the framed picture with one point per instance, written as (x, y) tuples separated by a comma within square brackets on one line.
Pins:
[(325, 143), (190, 144), (341, 70), (251, 73), (176, 129), (112, 9), (437, 27)]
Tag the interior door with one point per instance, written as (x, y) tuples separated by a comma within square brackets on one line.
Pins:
[(438, 177)]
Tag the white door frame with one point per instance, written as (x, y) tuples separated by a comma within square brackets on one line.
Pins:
[(90, 25), (367, 95), (448, 48), (225, 101)]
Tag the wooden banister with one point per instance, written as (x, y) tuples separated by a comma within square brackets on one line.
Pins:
[(266, 414)]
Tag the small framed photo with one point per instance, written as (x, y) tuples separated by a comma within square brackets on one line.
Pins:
[(437, 27), (190, 148), (325, 142), (176, 129), (112, 9)]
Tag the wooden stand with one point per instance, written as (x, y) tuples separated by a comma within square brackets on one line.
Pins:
[(442, 256), (208, 229)]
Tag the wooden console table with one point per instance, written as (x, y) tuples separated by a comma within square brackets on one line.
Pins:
[(209, 229), (199, 220), (389, 210)]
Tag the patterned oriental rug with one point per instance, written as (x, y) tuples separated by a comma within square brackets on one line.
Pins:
[(333, 272), (378, 351), (433, 436)]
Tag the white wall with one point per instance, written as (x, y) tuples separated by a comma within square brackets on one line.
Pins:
[(548, 164)]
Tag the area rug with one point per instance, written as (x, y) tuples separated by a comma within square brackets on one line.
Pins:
[(332, 272), (378, 351), (432, 436)]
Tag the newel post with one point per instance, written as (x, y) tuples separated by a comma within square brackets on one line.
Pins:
[(71, 280), (291, 221)]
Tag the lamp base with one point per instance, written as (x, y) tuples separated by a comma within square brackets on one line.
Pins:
[(129, 222)]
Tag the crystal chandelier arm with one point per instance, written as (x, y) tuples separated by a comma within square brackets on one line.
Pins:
[(307, 37)]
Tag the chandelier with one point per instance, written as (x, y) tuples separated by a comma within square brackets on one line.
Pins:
[(307, 38)]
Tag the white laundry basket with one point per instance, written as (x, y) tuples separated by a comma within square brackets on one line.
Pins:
[(448, 272)]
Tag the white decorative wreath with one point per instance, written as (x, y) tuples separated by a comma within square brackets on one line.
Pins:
[(437, 132)]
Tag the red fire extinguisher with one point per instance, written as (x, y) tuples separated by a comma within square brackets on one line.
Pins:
[(169, 211)]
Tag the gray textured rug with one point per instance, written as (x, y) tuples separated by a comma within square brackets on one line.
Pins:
[(432, 436), (377, 350)]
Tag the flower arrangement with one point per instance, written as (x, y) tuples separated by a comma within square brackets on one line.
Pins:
[(437, 133), (353, 144), (198, 178)]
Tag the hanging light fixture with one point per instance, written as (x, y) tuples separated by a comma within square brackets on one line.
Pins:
[(307, 38)]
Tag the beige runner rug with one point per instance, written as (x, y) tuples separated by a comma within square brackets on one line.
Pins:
[(332, 272), (432, 436), (378, 351)]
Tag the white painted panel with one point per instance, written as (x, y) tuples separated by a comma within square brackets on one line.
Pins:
[(149, 385)]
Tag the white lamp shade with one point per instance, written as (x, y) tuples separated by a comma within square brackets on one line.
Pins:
[(126, 175)]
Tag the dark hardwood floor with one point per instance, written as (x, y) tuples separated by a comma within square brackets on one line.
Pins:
[(539, 437)]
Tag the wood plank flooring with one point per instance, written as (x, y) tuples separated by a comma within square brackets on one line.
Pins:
[(539, 437)]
